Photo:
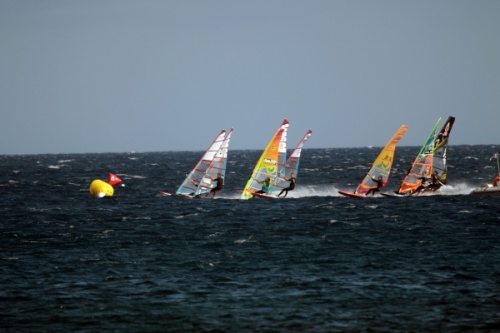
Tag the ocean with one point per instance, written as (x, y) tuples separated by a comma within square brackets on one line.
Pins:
[(313, 262)]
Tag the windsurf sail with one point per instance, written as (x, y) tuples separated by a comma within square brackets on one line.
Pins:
[(291, 165), (382, 165), (421, 166), (197, 181), (439, 163), (496, 181), (497, 157), (269, 163), (217, 166)]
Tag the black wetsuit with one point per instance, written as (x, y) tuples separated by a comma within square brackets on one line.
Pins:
[(380, 184), (290, 187), (217, 187), (425, 184), (219, 182), (435, 184)]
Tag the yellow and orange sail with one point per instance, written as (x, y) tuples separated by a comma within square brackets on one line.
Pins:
[(382, 164), (269, 162)]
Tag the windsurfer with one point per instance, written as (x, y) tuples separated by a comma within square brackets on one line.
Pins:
[(425, 182), (435, 183), (220, 182), (291, 186), (380, 183), (431, 184), (495, 182), (266, 184)]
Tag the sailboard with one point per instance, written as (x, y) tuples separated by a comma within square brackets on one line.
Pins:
[(291, 165), (199, 180), (272, 159), (265, 196), (380, 167), (421, 166)]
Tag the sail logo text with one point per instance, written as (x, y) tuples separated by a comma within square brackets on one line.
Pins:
[(268, 161)]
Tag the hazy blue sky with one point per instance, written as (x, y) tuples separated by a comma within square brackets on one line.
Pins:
[(120, 76)]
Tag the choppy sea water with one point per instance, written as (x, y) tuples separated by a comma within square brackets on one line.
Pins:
[(314, 262)]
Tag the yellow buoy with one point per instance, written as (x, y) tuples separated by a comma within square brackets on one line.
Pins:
[(99, 188)]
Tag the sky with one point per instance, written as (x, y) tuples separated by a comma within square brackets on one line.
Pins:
[(100, 76)]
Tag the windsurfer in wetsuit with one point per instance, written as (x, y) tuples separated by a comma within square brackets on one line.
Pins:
[(380, 183), (496, 181), (430, 184), (435, 183), (220, 182), (291, 186), (423, 185), (266, 184)]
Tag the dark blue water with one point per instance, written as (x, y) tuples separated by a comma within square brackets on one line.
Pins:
[(314, 262)]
